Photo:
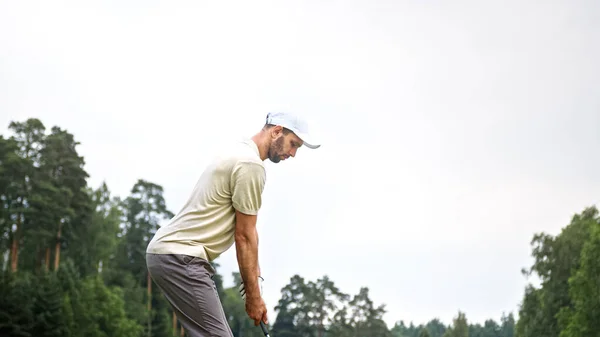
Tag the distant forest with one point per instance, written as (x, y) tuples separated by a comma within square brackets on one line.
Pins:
[(74, 265)]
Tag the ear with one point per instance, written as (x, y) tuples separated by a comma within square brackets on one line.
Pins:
[(276, 131)]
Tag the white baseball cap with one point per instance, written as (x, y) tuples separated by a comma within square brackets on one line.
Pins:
[(296, 124)]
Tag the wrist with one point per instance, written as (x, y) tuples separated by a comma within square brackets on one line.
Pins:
[(253, 297), (251, 290)]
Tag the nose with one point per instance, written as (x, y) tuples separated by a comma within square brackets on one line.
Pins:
[(293, 152)]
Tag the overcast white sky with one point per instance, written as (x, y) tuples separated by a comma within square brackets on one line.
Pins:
[(453, 130)]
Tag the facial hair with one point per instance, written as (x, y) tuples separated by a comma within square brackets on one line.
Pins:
[(275, 149)]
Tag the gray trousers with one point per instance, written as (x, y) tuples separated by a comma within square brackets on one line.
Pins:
[(187, 283)]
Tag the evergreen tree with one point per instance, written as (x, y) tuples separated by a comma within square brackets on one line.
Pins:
[(16, 315), (21, 168)]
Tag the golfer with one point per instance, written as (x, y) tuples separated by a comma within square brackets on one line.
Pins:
[(222, 210)]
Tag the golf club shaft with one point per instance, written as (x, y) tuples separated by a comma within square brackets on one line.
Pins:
[(264, 329)]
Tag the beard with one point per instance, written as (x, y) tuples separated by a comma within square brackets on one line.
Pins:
[(275, 149)]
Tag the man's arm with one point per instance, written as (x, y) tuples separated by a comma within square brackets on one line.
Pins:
[(246, 243), (248, 180)]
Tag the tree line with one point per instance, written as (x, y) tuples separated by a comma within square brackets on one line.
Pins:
[(74, 265)]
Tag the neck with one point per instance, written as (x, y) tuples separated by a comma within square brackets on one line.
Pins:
[(262, 142)]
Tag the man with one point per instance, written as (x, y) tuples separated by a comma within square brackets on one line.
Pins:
[(222, 210)]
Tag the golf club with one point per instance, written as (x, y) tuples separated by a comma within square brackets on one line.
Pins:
[(264, 329)]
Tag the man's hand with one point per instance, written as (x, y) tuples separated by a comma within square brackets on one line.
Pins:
[(256, 310)]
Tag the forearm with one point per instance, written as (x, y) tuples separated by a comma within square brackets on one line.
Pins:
[(257, 262), (246, 243)]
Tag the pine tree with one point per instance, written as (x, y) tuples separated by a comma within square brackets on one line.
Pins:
[(16, 318), (47, 308), (21, 170)]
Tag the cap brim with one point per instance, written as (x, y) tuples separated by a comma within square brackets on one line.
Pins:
[(308, 141)]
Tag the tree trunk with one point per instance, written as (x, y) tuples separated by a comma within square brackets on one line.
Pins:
[(149, 287), (41, 255), (14, 248), (174, 324), (47, 260), (14, 251), (181, 331), (320, 329), (57, 248)]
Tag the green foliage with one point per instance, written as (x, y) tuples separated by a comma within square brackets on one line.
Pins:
[(567, 267), (47, 307), (143, 210), (16, 315), (460, 327), (98, 238), (320, 309), (583, 317), (11, 172), (20, 161), (101, 311)]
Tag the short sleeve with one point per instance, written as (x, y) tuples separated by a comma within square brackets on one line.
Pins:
[(247, 185)]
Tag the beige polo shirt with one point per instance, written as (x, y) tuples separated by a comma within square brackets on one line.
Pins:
[(205, 225)]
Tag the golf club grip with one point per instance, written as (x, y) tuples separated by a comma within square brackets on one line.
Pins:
[(264, 328)]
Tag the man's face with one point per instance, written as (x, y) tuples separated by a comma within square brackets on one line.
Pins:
[(284, 146)]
